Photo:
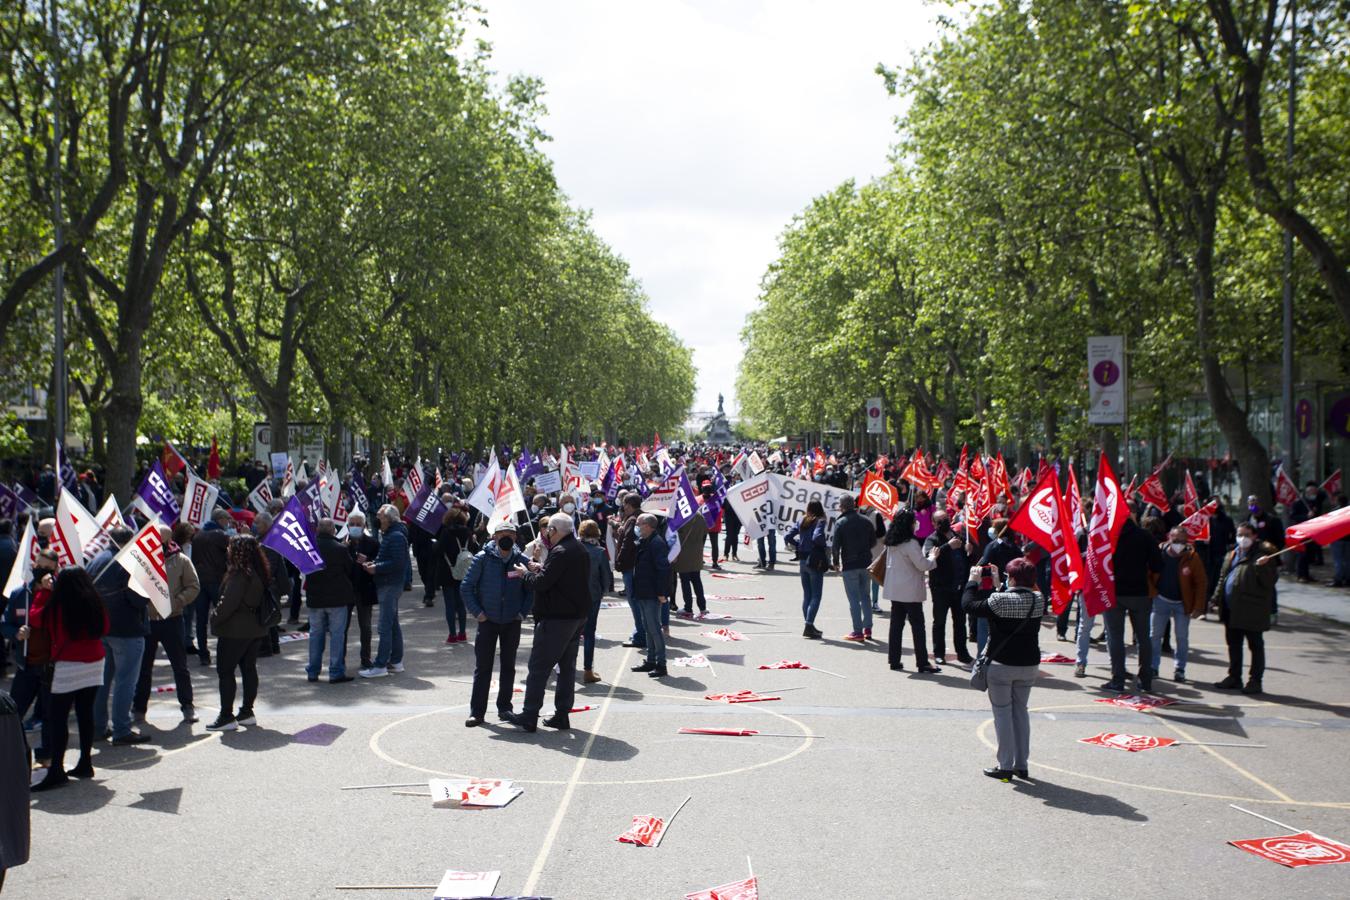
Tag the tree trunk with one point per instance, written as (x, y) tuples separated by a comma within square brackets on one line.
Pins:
[(948, 415), (124, 415), (1050, 422), (277, 407)]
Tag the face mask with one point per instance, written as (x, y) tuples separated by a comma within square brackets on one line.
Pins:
[(355, 531), (993, 535), (1178, 549), (1245, 542), (1253, 509), (1311, 495), (569, 508), (505, 544)]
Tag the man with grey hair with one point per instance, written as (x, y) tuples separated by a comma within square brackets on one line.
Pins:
[(562, 600), (391, 569), (328, 593), (361, 546)]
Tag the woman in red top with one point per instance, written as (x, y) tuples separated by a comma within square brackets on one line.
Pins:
[(74, 616)]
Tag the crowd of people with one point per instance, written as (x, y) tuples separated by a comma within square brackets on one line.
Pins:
[(82, 639)]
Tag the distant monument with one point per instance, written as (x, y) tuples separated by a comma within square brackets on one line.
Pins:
[(718, 429)]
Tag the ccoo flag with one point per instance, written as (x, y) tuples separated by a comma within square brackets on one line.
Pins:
[(143, 558), (293, 537), (154, 498)]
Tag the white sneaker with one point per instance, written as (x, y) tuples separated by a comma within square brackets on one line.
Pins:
[(395, 668), (372, 673)]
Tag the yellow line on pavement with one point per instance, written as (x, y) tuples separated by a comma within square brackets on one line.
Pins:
[(553, 827)]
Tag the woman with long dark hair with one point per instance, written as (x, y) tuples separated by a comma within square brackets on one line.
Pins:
[(453, 539), (813, 562), (905, 589), (234, 622), (74, 617)]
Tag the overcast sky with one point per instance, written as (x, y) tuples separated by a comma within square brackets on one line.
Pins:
[(695, 130)]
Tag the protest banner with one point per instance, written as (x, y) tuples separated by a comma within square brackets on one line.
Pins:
[(773, 502)]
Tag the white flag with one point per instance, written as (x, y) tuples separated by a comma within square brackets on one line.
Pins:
[(22, 571), (484, 495), (509, 501), (107, 519), (260, 496), (199, 498), (329, 488), (300, 473), (143, 558), (386, 477), (288, 483), (75, 526)]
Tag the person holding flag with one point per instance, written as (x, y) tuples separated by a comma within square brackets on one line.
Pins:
[(1137, 565), (72, 613), (128, 627), (494, 594), (1181, 597), (1244, 591), (167, 631)]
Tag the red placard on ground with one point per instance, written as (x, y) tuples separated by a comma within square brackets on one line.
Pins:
[(1295, 850), (748, 889), (644, 832), (1131, 742), (740, 697), (1139, 703)]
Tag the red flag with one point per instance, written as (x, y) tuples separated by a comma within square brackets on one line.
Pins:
[(1131, 490), (1108, 517), (172, 460), (1154, 495), (1324, 529), (746, 889), (1285, 490), (213, 461), (881, 462), (1197, 523), (1075, 500), (944, 471), (1333, 484), (1044, 519), (917, 474), (1191, 496), (879, 494), (819, 465)]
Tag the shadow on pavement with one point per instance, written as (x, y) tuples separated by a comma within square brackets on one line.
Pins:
[(1086, 802)]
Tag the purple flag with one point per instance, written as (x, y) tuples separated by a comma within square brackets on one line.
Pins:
[(426, 509), (311, 500), (28, 497), (684, 505), (610, 485), (358, 490), (154, 497), (292, 537), (65, 469), (713, 505), (11, 504)]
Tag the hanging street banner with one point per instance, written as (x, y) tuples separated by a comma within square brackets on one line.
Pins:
[(876, 419), (1107, 376)]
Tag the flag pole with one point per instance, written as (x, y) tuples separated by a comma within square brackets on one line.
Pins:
[(1289, 828), (662, 836)]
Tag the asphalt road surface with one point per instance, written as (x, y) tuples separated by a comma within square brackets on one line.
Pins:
[(870, 784)]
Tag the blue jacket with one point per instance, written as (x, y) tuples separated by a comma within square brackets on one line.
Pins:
[(392, 564), (602, 576), (127, 610), (651, 572), (488, 589), (806, 542)]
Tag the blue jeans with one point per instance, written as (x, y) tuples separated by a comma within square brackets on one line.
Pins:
[(855, 588), (876, 596), (325, 622), (391, 635), (981, 633), (639, 638), (813, 585), (1164, 609), (772, 539), (197, 617), (1085, 623), (1340, 557), (1136, 609), (588, 636), (121, 671), (651, 620), (456, 616)]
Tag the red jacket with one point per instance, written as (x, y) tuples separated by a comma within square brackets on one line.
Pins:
[(64, 647)]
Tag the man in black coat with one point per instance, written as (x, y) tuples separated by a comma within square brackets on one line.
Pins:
[(1137, 564), (328, 593), (562, 599)]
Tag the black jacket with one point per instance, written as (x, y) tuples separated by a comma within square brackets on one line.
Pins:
[(127, 615), (953, 566), (208, 554), (854, 537), (1136, 556), (330, 586), (363, 583), (562, 590)]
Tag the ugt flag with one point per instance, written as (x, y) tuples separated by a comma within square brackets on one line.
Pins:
[(1044, 519), (1108, 517), (293, 537)]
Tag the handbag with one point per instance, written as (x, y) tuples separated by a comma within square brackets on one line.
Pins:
[(878, 568), (818, 560), (979, 670), (269, 610)]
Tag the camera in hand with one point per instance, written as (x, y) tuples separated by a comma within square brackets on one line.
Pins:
[(987, 578)]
